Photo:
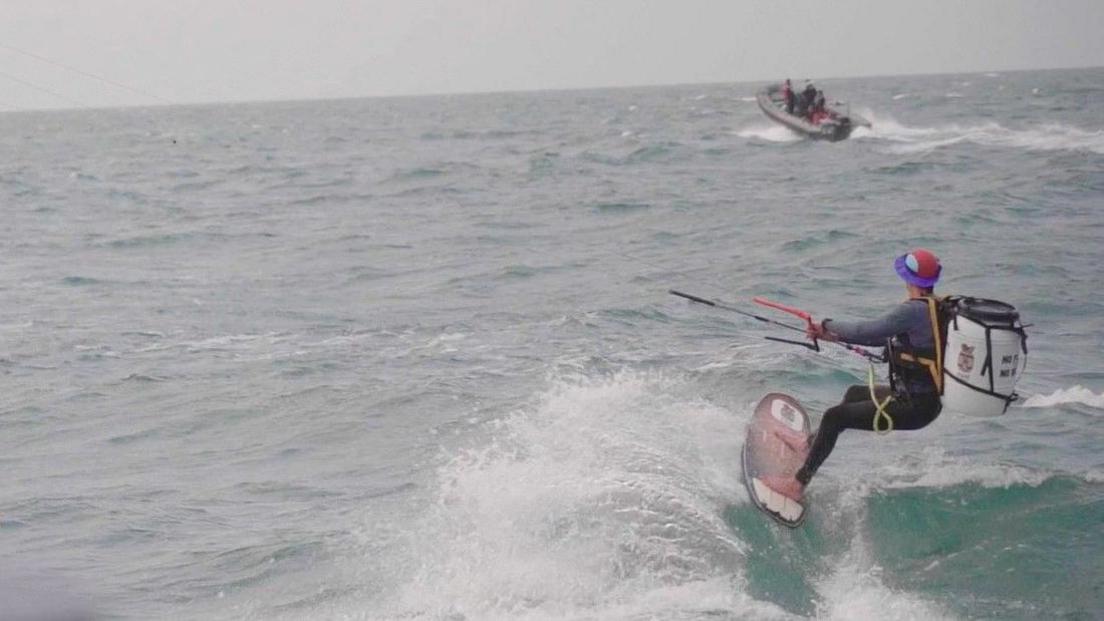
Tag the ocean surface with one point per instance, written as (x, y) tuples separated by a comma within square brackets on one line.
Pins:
[(415, 358)]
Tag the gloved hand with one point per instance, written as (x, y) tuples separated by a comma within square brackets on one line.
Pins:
[(816, 330)]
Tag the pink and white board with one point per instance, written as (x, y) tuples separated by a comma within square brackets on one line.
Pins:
[(777, 443)]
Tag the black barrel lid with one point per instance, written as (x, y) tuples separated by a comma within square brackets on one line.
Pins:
[(987, 311)]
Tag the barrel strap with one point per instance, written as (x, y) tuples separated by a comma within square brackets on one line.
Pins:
[(936, 366)]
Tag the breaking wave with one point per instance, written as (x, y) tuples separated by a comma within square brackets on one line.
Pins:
[(1075, 394), (935, 468), (604, 500), (618, 497)]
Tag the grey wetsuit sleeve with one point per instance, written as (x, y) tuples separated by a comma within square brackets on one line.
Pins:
[(875, 331)]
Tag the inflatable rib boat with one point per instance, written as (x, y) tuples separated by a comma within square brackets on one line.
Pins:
[(836, 125)]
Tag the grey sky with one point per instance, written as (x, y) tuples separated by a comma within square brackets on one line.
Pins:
[(238, 50)]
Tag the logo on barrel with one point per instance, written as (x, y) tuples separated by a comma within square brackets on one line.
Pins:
[(966, 359)]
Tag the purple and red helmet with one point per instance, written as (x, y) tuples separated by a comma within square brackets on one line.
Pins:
[(919, 267)]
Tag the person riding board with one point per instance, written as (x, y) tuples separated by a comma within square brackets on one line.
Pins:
[(912, 332)]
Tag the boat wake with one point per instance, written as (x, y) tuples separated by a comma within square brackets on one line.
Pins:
[(1048, 137), (769, 133)]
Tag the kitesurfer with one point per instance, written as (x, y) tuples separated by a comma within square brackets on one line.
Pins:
[(912, 331)]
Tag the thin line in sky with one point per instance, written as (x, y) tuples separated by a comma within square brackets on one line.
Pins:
[(43, 89), (84, 73)]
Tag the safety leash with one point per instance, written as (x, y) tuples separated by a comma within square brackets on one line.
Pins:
[(879, 406)]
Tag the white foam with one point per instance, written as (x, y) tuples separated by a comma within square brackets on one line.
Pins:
[(604, 499), (748, 99), (854, 590), (771, 133), (1075, 394), (1048, 137), (231, 341), (901, 96)]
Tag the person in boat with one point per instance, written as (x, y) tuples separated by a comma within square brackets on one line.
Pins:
[(808, 98), (788, 96), (799, 105), (911, 330), (820, 109)]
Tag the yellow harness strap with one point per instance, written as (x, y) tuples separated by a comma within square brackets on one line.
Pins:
[(936, 366)]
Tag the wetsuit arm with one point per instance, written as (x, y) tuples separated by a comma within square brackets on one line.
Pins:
[(873, 332)]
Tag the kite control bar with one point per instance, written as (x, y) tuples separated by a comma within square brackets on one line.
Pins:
[(722, 305), (797, 312), (718, 304)]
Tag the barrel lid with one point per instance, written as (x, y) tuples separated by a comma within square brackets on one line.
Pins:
[(983, 310)]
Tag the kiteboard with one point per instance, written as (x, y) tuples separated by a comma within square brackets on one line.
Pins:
[(776, 446)]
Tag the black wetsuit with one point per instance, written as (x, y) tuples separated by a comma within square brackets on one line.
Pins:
[(914, 405)]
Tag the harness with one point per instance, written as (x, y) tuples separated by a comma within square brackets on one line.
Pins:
[(905, 361)]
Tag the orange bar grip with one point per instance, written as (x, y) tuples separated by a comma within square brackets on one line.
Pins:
[(782, 307)]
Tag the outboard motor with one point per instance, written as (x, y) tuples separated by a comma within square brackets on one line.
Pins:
[(985, 355), (843, 127)]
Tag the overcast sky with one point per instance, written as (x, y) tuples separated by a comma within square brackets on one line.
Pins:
[(185, 51)]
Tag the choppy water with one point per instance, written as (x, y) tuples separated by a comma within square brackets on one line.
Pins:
[(414, 358)]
